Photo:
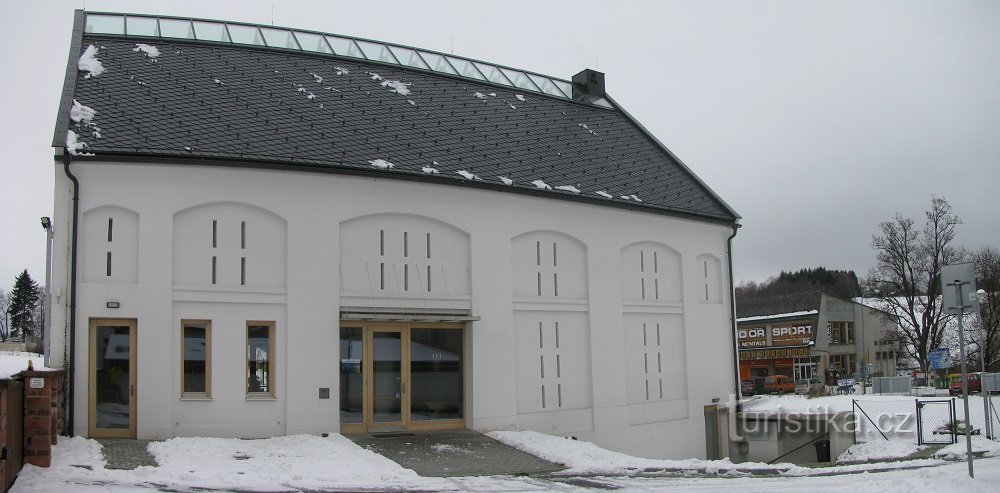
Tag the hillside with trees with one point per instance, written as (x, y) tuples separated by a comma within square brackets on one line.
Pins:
[(840, 283)]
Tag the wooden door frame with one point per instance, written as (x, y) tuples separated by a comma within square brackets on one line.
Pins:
[(92, 429), (368, 376), (367, 372)]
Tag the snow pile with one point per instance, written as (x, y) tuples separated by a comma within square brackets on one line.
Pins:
[(956, 451), (879, 450), (604, 194), (519, 97), (80, 113), (374, 75), (631, 197), (401, 88), (89, 63), (586, 458), (74, 145), (381, 164), (429, 170), (568, 188), (341, 71), (505, 180), (467, 175), (14, 362), (150, 50), (541, 185)]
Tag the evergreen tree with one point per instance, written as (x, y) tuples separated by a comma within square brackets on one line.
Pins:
[(23, 301)]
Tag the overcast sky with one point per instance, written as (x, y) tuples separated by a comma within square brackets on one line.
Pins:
[(814, 120)]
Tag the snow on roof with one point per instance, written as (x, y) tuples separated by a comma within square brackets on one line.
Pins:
[(149, 50), (778, 315), (89, 63), (74, 145)]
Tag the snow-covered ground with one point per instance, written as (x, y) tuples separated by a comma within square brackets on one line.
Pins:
[(334, 463), (13, 362)]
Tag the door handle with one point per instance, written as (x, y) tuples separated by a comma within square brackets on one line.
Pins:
[(131, 390)]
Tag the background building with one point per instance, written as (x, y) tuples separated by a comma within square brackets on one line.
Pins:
[(812, 334)]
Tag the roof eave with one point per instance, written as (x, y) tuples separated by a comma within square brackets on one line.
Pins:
[(69, 82)]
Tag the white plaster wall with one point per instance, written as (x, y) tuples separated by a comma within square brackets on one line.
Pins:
[(314, 207)]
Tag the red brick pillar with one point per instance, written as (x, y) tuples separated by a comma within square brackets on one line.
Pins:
[(41, 397)]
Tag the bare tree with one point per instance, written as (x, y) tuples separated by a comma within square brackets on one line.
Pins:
[(987, 263), (4, 316), (906, 278)]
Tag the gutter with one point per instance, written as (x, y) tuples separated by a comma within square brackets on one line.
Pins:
[(71, 363), (732, 314)]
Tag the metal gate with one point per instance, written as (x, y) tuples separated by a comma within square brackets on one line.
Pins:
[(13, 449), (936, 422)]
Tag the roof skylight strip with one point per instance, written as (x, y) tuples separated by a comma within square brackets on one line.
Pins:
[(315, 42)]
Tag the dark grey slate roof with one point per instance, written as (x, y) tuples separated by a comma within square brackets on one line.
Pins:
[(779, 304), (213, 103)]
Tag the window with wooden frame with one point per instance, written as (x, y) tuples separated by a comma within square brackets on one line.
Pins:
[(196, 359), (260, 359)]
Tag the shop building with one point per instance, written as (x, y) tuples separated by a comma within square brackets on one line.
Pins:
[(812, 335)]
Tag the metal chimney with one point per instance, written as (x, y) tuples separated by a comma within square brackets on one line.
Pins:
[(588, 82)]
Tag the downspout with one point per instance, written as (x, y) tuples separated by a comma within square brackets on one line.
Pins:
[(71, 364), (732, 313)]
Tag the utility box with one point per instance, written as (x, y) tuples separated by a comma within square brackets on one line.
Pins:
[(991, 382), (891, 385)]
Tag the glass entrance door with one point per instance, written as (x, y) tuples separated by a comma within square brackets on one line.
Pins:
[(112, 378), (401, 376)]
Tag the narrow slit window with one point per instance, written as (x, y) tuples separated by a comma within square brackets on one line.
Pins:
[(656, 288), (661, 388), (406, 244), (243, 271), (538, 253), (659, 363), (541, 364), (642, 282), (111, 223), (381, 242), (559, 394), (541, 343), (642, 261), (558, 366), (706, 269), (109, 265), (428, 247), (555, 284), (706, 292), (557, 335), (214, 261), (657, 334), (656, 267), (428, 279), (215, 233), (406, 277), (243, 235), (555, 256), (381, 276), (539, 283), (644, 340), (543, 396), (647, 390), (645, 363)]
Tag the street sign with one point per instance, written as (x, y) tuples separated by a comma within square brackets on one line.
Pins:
[(958, 288), (939, 358)]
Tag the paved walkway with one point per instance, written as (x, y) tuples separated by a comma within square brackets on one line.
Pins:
[(124, 453), (454, 453)]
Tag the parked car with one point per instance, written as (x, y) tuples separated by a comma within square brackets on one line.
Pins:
[(751, 386), (811, 386), (779, 384), (975, 384)]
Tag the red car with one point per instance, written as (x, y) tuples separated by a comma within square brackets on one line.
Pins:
[(975, 384)]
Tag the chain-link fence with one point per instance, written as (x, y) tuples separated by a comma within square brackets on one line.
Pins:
[(925, 420)]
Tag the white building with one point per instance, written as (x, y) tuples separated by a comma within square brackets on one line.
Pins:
[(263, 231)]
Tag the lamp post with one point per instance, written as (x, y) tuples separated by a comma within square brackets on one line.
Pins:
[(46, 300), (981, 296)]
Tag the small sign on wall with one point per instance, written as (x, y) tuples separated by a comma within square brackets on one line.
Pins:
[(36, 383)]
